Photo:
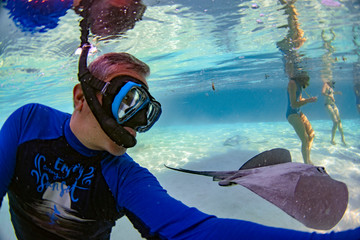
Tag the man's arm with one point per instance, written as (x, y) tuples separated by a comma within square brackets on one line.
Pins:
[(9, 138)]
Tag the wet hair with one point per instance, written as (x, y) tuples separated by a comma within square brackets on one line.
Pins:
[(302, 78), (108, 64), (332, 84)]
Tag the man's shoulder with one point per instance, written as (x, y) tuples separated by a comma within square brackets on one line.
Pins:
[(41, 109), (41, 113), (39, 121), (124, 159), (120, 164)]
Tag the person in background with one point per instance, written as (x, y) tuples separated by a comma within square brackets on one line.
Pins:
[(298, 79), (356, 66), (357, 90), (329, 84), (296, 118), (330, 106)]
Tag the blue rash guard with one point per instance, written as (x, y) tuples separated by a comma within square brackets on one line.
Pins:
[(59, 189)]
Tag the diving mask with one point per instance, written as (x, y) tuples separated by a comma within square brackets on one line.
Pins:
[(126, 102), (132, 98)]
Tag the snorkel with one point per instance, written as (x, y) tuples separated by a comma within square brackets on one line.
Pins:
[(108, 124), (126, 100)]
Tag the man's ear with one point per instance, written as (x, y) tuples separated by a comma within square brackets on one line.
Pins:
[(78, 97)]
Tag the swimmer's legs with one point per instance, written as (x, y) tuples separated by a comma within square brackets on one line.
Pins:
[(339, 124), (334, 119), (296, 121), (333, 132), (309, 130), (341, 132)]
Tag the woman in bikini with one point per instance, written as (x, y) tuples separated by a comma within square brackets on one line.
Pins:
[(330, 106)]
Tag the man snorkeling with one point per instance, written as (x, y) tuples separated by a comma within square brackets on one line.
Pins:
[(69, 176)]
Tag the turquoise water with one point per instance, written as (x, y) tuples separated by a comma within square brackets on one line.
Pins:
[(218, 74)]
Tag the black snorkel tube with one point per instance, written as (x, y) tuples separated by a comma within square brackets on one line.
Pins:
[(91, 86), (107, 122)]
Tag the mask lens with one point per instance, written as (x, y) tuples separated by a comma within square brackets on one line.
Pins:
[(153, 113), (130, 104)]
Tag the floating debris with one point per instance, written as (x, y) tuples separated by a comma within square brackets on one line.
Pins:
[(330, 3), (254, 6)]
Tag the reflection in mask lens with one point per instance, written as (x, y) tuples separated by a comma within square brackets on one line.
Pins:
[(153, 114), (131, 102)]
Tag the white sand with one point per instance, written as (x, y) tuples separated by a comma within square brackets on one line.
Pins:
[(202, 148)]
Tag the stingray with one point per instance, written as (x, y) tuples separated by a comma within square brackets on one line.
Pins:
[(232, 141), (305, 192)]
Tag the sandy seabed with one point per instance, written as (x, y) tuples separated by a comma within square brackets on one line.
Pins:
[(227, 147)]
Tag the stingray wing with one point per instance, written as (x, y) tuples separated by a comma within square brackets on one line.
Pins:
[(217, 175), (267, 158), (305, 192)]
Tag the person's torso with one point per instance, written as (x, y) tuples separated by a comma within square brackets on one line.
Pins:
[(56, 191), (329, 99)]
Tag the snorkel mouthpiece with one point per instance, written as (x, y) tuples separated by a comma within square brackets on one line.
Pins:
[(108, 124)]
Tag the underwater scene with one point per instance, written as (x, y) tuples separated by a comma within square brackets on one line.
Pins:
[(220, 69)]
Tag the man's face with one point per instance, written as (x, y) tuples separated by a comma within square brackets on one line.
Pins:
[(100, 139)]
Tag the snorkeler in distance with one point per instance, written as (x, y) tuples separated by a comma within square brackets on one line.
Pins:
[(330, 106)]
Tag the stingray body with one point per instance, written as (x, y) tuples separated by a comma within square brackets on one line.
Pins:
[(305, 192)]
